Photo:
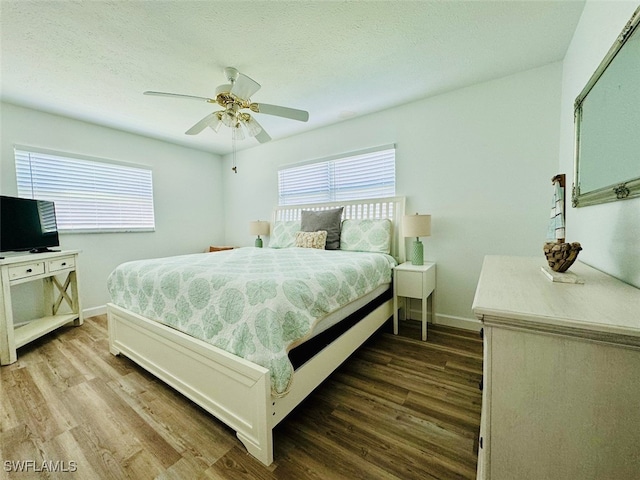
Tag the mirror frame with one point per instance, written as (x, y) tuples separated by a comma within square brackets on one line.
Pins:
[(627, 188)]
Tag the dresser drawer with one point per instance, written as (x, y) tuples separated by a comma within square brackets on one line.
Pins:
[(26, 270), (61, 263)]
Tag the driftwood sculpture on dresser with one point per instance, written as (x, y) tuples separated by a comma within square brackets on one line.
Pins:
[(560, 255)]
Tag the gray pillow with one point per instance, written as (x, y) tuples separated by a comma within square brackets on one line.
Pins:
[(329, 220)]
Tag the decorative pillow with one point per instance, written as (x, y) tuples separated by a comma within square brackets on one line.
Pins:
[(312, 239), (329, 220), (366, 236), (283, 234)]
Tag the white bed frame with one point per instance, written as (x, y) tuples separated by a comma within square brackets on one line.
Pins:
[(234, 390)]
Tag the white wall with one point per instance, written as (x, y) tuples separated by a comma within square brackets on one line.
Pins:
[(479, 160), (188, 200), (609, 233)]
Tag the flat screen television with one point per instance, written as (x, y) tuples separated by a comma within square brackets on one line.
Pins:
[(27, 225)]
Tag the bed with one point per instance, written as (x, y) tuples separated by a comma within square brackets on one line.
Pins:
[(245, 391)]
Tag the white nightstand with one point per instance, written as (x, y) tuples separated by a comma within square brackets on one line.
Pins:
[(414, 281)]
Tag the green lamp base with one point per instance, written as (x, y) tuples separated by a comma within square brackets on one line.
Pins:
[(417, 253), (259, 242)]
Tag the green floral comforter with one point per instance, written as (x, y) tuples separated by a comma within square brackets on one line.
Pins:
[(255, 303)]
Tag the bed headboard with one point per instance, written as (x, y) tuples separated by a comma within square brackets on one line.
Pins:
[(372, 208)]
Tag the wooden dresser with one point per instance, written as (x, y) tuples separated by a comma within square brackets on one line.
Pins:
[(561, 385)]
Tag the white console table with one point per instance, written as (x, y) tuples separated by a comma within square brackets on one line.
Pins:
[(561, 380), (28, 267)]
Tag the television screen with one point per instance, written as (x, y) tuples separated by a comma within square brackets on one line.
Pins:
[(27, 224)]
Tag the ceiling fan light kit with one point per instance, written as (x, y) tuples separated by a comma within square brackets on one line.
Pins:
[(215, 126), (230, 116), (250, 124), (234, 97)]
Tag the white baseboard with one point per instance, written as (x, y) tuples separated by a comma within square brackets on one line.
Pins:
[(92, 312), (448, 320), (459, 322)]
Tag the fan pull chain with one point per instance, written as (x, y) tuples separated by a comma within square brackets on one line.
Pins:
[(233, 141)]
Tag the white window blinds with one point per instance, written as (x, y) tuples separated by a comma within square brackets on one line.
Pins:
[(370, 174), (89, 195)]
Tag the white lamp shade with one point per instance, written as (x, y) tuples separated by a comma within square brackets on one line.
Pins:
[(259, 227), (416, 225)]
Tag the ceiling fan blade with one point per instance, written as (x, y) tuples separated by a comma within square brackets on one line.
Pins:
[(262, 137), (178, 95), (202, 124), (243, 87), (279, 111)]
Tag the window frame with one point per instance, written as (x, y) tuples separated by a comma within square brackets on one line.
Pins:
[(333, 184), (107, 205)]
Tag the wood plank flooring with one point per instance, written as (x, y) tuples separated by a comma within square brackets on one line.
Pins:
[(399, 408)]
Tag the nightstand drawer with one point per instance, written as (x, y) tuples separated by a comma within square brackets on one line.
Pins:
[(409, 284)]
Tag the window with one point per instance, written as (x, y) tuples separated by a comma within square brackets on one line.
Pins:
[(90, 195), (367, 174)]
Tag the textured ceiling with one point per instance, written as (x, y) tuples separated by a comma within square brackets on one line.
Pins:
[(92, 60)]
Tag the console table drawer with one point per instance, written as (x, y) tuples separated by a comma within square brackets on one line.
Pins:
[(61, 263), (26, 270)]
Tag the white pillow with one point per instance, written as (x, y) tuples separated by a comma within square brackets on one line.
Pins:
[(366, 236)]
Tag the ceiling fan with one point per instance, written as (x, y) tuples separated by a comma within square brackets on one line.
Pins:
[(235, 97)]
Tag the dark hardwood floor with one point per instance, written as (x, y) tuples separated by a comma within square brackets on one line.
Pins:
[(399, 408)]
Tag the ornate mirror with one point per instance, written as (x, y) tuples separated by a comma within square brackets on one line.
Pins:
[(607, 122)]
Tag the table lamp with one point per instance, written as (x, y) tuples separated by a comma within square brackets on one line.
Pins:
[(417, 226), (259, 227)]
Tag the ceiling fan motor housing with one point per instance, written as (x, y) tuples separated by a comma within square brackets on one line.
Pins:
[(223, 89)]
